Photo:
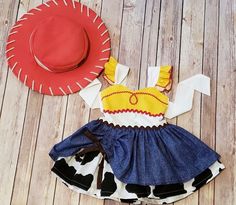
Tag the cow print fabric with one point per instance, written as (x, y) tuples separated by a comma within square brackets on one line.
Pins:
[(79, 173)]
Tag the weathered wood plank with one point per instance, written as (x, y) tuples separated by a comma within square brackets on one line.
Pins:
[(27, 149), (225, 119), (29, 136), (76, 116), (112, 19), (84, 199), (208, 111), (190, 64), (111, 202), (50, 131), (9, 12), (169, 39), (131, 39), (11, 125), (13, 109), (150, 39), (132, 30)]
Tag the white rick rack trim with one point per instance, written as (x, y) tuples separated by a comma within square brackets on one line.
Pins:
[(133, 119)]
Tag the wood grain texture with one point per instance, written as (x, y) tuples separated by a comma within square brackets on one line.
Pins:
[(226, 101), (29, 134), (14, 98), (150, 39), (190, 64), (168, 52), (132, 38), (193, 36), (208, 121)]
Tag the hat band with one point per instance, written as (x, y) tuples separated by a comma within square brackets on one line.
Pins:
[(41, 64), (48, 69)]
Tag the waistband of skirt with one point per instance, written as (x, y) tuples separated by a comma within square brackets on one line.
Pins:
[(110, 124)]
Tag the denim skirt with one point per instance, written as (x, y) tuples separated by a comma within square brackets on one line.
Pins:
[(167, 154)]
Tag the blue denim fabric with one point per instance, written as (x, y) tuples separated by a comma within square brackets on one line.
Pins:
[(144, 156)]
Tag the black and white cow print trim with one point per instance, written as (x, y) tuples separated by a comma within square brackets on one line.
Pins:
[(80, 174)]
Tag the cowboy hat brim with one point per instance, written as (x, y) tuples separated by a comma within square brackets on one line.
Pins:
[(24, 66)]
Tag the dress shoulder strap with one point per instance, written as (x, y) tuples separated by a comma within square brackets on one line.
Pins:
[(115, 73), (160, 77)]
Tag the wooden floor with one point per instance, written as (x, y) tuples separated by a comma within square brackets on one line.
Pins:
[(195, 36)]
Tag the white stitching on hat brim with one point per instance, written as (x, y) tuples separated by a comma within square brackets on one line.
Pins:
[(25, 79), (47, 5), (33, 84), (65, 2), (13, 41), (10, 49), (60, 88), (69, 89)]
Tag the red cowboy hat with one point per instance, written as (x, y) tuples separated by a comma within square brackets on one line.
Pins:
[(58, 47)]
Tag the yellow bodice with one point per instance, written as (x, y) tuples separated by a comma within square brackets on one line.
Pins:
[(119, 98)]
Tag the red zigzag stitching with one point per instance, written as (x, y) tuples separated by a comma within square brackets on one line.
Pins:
[(132, 110)]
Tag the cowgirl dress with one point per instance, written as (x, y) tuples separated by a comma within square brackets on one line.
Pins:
[(132, 154)]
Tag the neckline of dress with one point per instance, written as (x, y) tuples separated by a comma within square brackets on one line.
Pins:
[(151, 90), (138, 90)]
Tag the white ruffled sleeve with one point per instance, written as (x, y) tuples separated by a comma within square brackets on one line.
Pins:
[(114, 73)]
